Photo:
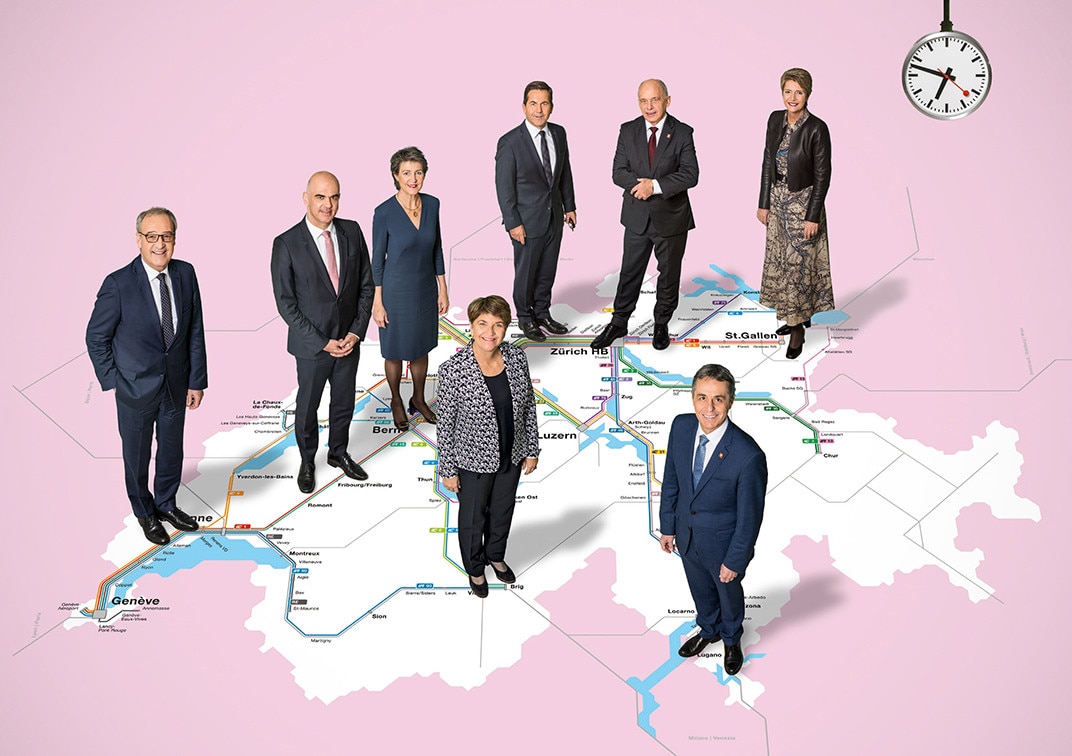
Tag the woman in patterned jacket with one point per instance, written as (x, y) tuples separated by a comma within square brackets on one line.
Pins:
[(487, 437)]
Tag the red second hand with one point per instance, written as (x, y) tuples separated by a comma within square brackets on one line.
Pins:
[(950, 80)]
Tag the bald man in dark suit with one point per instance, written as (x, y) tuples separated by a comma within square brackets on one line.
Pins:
[(655, 165), (322, 280)]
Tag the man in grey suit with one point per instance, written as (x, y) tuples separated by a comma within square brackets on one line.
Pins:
[(322, 280), (714, 487), (655, 165), (534, 185)]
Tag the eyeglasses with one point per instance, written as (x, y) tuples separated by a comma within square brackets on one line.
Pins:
[(152, 237)]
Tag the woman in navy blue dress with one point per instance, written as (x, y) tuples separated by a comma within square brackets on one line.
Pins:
[(411, 285)]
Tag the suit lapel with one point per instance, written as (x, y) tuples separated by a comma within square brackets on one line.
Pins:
[(344, 254), (684, 458), (178, 290), (314, 256), (558, 152), (145, 293)]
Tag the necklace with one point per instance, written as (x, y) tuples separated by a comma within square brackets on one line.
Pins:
[(415, 211)]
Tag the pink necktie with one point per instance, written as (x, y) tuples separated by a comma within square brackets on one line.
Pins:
[(333, 267)]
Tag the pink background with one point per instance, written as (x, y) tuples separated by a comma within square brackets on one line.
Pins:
[(949, 253)]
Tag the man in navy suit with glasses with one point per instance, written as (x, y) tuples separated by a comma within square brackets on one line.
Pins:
[(146, 340)]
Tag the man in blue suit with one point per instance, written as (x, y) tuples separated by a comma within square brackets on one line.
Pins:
[(713, 490), (147, 341), (534, 185), (322, 279)]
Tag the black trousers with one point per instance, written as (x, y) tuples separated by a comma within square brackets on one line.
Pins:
[(313, 373), (636, 251), (136, 428), (535, 266), (485, 510)]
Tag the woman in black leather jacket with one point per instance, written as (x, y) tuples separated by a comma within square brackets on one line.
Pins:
[(792, 189)]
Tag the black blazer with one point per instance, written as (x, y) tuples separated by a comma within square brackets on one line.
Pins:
[(809, 161), (675, 168), (304, 295), (521, 184), (125, 343)]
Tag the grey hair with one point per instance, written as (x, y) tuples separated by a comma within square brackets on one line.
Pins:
[(156, 211), (717, 372)]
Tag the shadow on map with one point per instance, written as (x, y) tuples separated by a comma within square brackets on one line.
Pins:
[(811, 597), (567, 535), (862, 306)]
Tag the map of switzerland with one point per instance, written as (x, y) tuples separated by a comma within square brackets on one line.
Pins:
[(356, 571)]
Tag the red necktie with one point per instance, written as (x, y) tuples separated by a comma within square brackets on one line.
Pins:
[(651, 146), (333, 267)]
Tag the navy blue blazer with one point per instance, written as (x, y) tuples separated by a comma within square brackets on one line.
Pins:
[(674, 167), (304, 295), (728, 501), (525, 198), (125, 343)]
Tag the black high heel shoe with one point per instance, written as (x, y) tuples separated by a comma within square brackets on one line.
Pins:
[(480, 590), (795, 347), (398, 414), (506, 576), (783, 330), (426, 413)]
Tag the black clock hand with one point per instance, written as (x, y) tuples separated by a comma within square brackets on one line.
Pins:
[(945, 78), (924, 68)]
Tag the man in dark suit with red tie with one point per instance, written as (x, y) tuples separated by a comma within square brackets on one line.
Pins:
[(322, 280), (713, 491), (655, 165), (146, 340), (534, 185)]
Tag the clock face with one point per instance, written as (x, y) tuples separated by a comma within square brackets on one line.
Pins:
[(946, 75)]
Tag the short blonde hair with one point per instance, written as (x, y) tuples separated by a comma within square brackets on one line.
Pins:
[(801, 77)]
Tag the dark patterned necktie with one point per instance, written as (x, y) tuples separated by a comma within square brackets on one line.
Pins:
[(167, 327), (651, 146), (545, 153)]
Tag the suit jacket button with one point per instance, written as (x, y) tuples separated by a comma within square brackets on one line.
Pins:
[(692, 513)]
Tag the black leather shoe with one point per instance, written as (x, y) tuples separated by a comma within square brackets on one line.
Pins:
[(609, 335), (532, 331), (734, 659), (660, 339), (694, 645), (796, 346), (307, 477), (480, 590), (179, 519), (783, 330), (347, 465), (551, 325), (506, 576), (153, 530)]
